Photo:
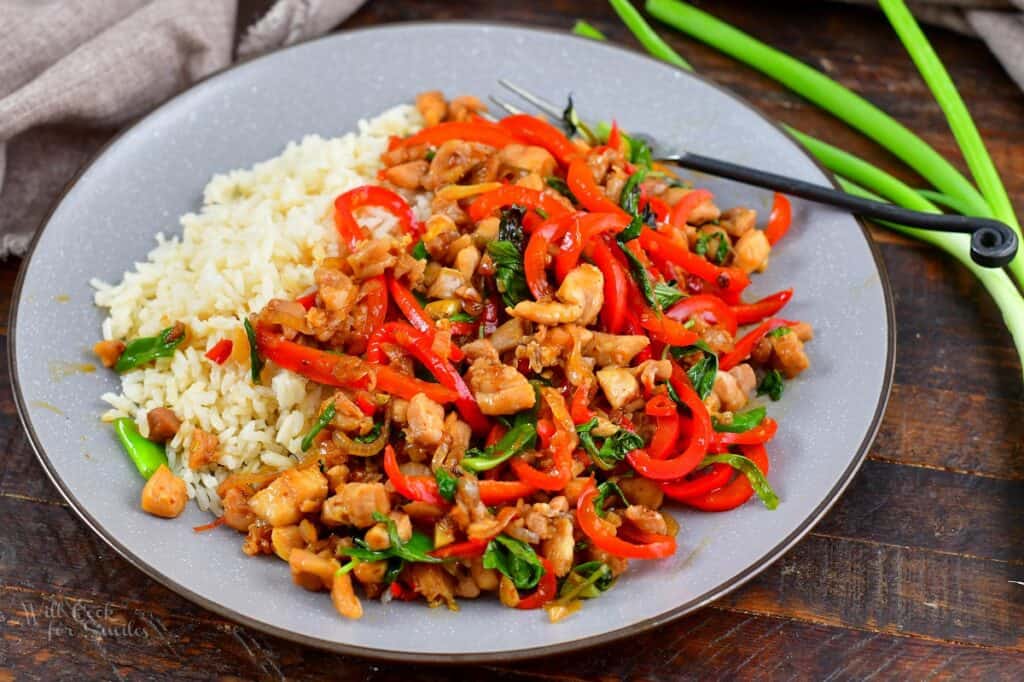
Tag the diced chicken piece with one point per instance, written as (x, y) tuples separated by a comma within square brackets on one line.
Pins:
[(433, 582), (458, 433), (583, 286), (704, 212), (448, 281), (407, 175), (559, 548), (355, 504), (164, 494), (643, 491), (432, 107), (370, 572), (485, 578), (647, 520), (507, 335), (258, 540), (651, 371), (344, 597), (292, 494), (619, 385), (531, 181), (613, 349), (163, 424), (738, 221), (500, 389), (745, 378), (466, 261), (372, 257), (109, 352), (202, 450), (426, 421), (789, 356), (528, 158), (718, 339), (453, 160), (237, 513), (310, 570), (335, 289), (729, 393), (751, 251), (285, 539), (616, 563), (486, 231), (803, 331), (547, 312), (465, 107)]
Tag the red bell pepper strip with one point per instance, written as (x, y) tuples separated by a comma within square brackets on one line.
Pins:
[(533, 130), (419, 488), (749, 313), (559, 475), (662, 247), (221, 351), (616, 286), (419, 345), (578, 406), (779, 219), (307, 301), (713, 478), (499, 492), (663, 328), (658, 206), (684, 207), (369, 195), (586, 190), (545, 430), (406, 387), (316, 365), (546, 590), (415, 313), (461, 550), (666, 433), (365, 403), (507, 195), (705, 303), (615, 136), (375, 302), (480, 131), (581, 232), (403, 593), (745, 346), (734, 493), (685, 462), (655, 547), (535, 257), (660, 406), (760, 434)]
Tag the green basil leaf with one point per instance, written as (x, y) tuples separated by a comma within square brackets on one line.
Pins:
[(667, 294), (417, 549), (772, 384), (508, 271), (372, 435), (637, 268), (741, 421), (462, 316), (255, 361), (510, 227), (746, 467), (629, 198), (604, 491), (515, 559), (521, 436), (573, 124), (616, 447), (721, 251), (446, 483), (419, 251), (777, 332), (586, 581), (142, 351), (323, 420), (702, 373), (583, 431), (639, 151)]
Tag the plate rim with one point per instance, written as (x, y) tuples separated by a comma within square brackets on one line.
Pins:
[(393, 655)]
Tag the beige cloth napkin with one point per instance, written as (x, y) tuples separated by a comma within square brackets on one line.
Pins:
[(73, 71)]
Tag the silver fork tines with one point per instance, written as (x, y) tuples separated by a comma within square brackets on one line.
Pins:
[(536, 100)]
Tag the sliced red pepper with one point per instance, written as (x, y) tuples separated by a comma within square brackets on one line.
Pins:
[(586, 190), (499, 492), (660, 406), (414, 312), (375, 305), (654, 547), (492, 308), (581, 232), (546, 590), (662, 247), (307, 301), (369, 195), (535, 257), (403, 593), (749, 313), (316, 365), (684, 207), (745, 346), (705, 303), (616, 285), (419, 488), (406, 387), (666, 433), (480, 131), (760, 434), (532, 130), (560, 473), (365, 403), (579, 408), (462, 550), (221, 351), (700, 437), (545, 430), (705, 481), (779, 219), (663, 328), (736, 492), (615, 136), (509, 195), (658, 206)]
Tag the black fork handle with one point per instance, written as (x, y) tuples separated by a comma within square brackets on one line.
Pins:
[(993, 244)]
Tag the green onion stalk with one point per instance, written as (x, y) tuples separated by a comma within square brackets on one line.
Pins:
[(857, 176)]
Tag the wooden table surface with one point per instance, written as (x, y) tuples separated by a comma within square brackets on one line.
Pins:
[(908, 576)]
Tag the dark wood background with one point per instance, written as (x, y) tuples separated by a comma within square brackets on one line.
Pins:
[(909, 575)]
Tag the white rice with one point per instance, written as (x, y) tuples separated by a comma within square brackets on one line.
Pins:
[(258, 235)]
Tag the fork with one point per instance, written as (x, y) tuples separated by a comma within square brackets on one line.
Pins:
[(993, 243)]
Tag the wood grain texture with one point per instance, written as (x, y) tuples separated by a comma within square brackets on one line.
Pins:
[(909, 576)]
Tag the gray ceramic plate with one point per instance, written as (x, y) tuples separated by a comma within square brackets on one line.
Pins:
[(156, 171)]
